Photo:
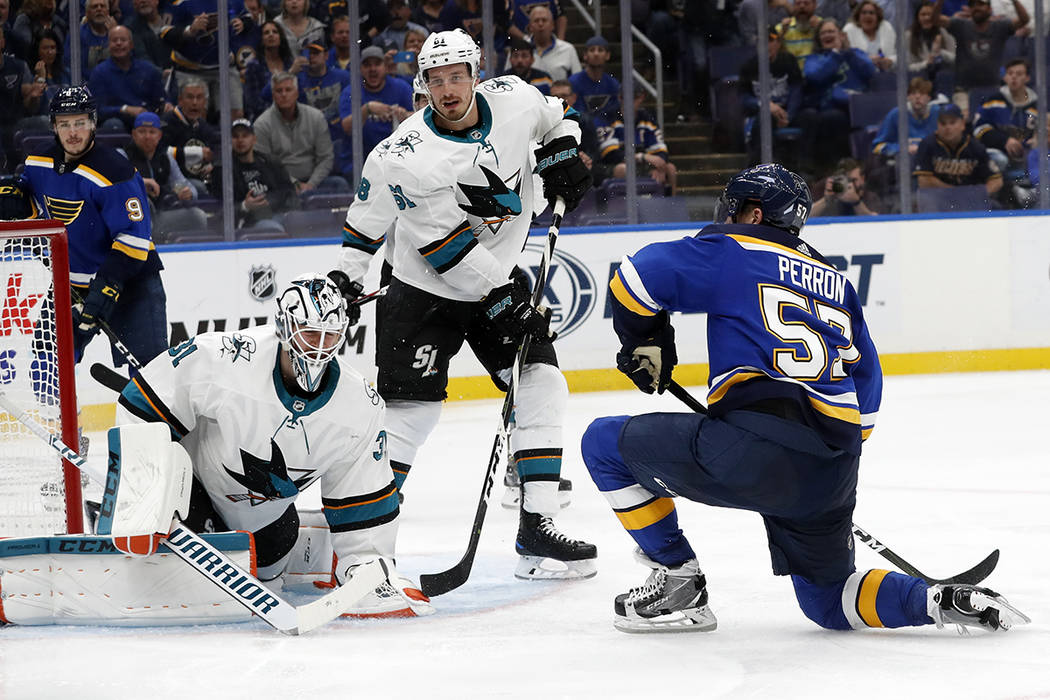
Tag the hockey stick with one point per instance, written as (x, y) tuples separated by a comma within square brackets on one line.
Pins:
[(445, 581), (223, 571), (114, 339), (971, 576)]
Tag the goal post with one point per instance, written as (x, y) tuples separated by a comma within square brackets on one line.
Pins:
[(39, 492)]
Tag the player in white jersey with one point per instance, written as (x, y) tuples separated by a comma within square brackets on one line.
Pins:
[(458, 178), (266, 412)]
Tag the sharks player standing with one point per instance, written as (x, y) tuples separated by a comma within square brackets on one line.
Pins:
[(266, 412), (795, 387), (101, 199), (458, 178)]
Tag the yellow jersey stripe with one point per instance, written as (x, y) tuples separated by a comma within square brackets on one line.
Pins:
[(729, 383), (842, 413), (869, 591), (40, 161), (93, 175), (623, 295), (646, 515), (127, 250), (752, 243)]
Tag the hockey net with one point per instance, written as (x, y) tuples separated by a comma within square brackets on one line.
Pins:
[(39, 493)]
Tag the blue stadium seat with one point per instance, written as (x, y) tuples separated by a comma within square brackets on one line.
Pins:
[(723, 64), (327, 200), (883, 81), (201, 236), (948, 199), (616, 187), (870, 108)]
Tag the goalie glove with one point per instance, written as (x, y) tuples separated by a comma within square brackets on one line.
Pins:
[(395, 597), (563, 172), (650, 363), (351, 291)]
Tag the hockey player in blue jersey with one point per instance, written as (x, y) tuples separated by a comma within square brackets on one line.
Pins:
[(96, 192), (795, 385)]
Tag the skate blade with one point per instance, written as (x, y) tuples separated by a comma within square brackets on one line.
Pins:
[(546, 569), (1006, 615), (512, 498), (699, 620)]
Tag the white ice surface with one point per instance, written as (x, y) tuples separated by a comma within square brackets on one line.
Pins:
[(957, 466)]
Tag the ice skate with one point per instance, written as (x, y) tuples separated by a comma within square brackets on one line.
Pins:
[(545, 553), (670, 600), (971, 606), (512, 494)]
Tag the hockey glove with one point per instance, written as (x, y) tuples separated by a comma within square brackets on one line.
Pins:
[(395, 597), (563, 172), (351, 291), (650, 365), (510, 309), (98, 304), (14, 200)]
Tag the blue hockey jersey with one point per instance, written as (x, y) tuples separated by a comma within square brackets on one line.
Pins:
[(782, 323), (102, 201)]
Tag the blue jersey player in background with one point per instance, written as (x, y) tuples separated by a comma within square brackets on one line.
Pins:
[(100, 197), (795, 385)]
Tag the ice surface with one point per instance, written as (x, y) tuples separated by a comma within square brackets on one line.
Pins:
[(957, 466)]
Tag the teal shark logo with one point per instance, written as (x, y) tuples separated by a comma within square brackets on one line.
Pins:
[(493, 203)]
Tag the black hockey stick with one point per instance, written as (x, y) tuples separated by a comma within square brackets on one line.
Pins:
[(445, 581), (970, 576), (114, 339), (222, 571)]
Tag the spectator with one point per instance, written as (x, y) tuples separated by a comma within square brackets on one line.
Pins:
[(46, 59), (554, 56), (845, 194), (747, 17), (272, 56), (392, 38), (521, 16), (868, 31), (170, 193), (1005, 10), (831, 73), (931, 48), (785, 92), (296, 135), (980, 41), (191, 36), (255, 16), (339, 54), (466, 15), (262, 188), (19, 95), (145, 24), (922, 121), (597, 91), (429, 14), (94, 35), (193, 138), (590, 146), (385, 103), (1032, 166), (521, 60), (650, 151), (373, 15), (321, 86), (299, 28), (951, 158), (841, 11), (36, 16), (800, 30), (14, 43), (1005, 122), (125, 87)]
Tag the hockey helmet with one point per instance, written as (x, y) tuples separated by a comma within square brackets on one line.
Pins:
[(311, 324), (782, 196), (447, 48), (73, 100)]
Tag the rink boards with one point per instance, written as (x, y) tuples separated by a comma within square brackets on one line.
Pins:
[(940, 294)]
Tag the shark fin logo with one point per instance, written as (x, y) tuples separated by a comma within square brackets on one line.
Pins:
[(495, 202), (65, 210), (266, 480)]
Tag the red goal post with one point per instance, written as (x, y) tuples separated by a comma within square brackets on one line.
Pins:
[(39, 492)]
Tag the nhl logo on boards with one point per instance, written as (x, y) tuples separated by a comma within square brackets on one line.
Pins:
[(262, 282)]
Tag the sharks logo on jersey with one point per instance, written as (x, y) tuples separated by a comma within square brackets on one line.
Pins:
[(406, 144), (498, 85), (266, 480), (493, 202), (65, 210), (237, 347)]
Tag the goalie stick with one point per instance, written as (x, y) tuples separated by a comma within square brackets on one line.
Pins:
[(445, 581), (223, 571), (971, 576)]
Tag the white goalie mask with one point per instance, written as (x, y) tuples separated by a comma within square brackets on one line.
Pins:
[(311, 325), (448, 48)]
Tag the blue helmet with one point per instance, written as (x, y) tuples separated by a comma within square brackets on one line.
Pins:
[(73, 100), (782, 196)]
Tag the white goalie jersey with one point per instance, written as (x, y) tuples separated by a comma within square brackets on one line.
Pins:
[(255, 446), (464, 201)]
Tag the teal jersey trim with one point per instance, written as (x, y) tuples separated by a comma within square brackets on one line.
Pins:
[(476, 134)]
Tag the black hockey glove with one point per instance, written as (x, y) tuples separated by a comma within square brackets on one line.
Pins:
[(14, 200), (510, 309), (97, 305), (351, 291), (650, 365), (563, 172)]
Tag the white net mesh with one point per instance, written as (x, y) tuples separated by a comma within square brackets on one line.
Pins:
[(32, 493)]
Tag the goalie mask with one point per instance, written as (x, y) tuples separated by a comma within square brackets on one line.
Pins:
[(311, 325)]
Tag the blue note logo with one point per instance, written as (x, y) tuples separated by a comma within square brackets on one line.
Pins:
[(571, 293)]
